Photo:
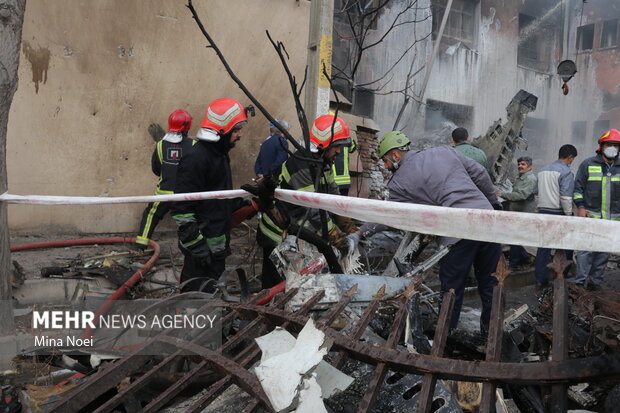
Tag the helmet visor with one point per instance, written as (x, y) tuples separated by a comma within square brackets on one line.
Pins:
[(342, 142)]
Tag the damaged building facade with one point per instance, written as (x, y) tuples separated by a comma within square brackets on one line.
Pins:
[(490, 49)]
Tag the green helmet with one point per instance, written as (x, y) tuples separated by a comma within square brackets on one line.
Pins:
[(392, 140)]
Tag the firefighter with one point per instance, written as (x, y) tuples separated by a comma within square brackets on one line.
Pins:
[(340, 169), (164, 163), (597, 195), (204, 225), (444, 177), (300, 174)]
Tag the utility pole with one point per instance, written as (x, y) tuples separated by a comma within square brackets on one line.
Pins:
[(11, 21), (319, 56)]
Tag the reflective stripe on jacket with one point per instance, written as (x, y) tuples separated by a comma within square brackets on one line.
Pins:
[(296, 175), (340, 168), (165, 161), (597, 188)]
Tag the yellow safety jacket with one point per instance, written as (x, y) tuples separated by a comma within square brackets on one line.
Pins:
[(340, 168), (296, 175)]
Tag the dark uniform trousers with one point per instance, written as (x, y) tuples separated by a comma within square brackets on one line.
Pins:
[(198, 276), (454, 268), (154, 212)]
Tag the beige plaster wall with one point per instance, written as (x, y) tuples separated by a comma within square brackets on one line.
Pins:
[(94, 74)]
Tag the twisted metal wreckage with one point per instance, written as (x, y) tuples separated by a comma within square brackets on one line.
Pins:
[(412, 376), (230, 362)]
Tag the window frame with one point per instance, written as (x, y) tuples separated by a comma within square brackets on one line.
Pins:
[(614, 34), (580, 38), (455, 30)]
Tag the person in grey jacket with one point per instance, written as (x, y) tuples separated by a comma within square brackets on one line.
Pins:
[(555, 192), (521, 199), (444, 177)]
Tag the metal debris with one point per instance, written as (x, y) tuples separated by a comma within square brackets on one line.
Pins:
[(380, 362)]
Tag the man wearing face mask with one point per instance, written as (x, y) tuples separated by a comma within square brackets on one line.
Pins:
[(597, 195), (204, 225), (444, 177)]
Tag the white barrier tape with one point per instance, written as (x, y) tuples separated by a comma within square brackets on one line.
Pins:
[(85, 200), (537, 230)]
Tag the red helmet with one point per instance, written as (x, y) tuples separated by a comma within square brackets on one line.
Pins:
[(321, 132), (222, 115), (610, 136), (179, 121)]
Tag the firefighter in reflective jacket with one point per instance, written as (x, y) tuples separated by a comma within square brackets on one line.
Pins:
[(340, 168), (204, 225), (164, 162), (597, 195), (299, 174)]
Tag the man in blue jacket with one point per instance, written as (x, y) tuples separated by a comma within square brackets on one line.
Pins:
[(273, 152), (555, 192)]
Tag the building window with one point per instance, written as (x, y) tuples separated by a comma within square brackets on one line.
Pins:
[(535, 44), (360, 13), (528, 47), (585, 37), (363, 102), (609, 36), (461, 24), (599, 128), (442, 114), (579, 132)]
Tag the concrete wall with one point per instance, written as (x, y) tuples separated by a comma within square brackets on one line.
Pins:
[(94, 75)]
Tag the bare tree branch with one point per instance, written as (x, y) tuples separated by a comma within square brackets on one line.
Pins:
[(234, 77), (301, 113)]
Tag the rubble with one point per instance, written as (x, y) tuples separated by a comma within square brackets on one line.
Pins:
[(380, 332), (335, 286), (279, 341)]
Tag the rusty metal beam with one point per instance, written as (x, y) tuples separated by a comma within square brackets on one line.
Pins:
[(143, 380), (559, 347), (335, 310), (155, 405), (494, 345), (496, 331), (439, 344), (106, 378), (250, 408), (574, 371), (242, 377), (254, 351), (360, 326), (381, 369)]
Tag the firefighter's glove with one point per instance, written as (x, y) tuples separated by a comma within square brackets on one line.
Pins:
[(339, 240), (192, 243), (353, 241)]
